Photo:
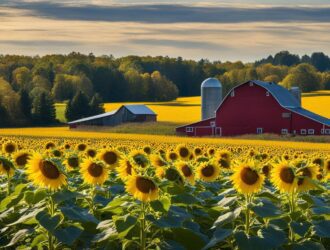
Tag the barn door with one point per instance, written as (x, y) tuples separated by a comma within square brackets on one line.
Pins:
[(218, 131)]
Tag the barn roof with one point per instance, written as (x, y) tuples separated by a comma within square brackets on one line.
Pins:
[(94, 117), (139, 109), (281, 94), (136, 109)]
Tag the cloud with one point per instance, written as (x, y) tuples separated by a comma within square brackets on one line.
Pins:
[(34, 43), (172, 13)]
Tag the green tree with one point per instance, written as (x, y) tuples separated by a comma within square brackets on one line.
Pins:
[(78, 107), (25, 105), (304, 76), (96, 105), (44, 109)]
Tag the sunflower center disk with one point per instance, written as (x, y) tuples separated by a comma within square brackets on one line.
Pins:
[(110, 158), (184, 152), (287, 175), (73, 162), (10, 148), (208, 171), (49, 170), (22, 159), (249, 176), (305, 173), (128, 168), (95, 170), (144, 185), (224, 163), (186, 171)]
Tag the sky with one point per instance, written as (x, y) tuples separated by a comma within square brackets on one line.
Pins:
[(244, 30)]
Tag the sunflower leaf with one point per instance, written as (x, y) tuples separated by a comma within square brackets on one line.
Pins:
[(68, 235), (48, 222), (219, 235), (322, 228), (226, 218)]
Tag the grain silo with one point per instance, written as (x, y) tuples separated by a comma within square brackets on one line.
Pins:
[(296, 92), (211, 92)]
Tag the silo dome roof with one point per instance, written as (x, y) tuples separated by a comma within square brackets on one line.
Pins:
[(211, 83)]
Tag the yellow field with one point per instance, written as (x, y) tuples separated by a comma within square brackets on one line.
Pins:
[(65, 132), (187, 109)]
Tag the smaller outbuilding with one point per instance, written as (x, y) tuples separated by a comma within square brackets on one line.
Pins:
[(126, 113)]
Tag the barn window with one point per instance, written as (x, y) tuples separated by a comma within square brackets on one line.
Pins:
[(212, 124), (284, 131), (251, 84), (232, 94), (259, 130), (302, 131), (311, 131), (189, 129), (322, 131), (327, 131), (267, 93), (286, 115)]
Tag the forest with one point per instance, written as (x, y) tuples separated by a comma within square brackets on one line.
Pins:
[(30, 86)]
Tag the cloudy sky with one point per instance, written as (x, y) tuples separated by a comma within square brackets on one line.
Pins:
[(218, 30)]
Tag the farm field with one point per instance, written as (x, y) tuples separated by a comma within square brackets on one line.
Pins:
[(157, 192), (187, 109)]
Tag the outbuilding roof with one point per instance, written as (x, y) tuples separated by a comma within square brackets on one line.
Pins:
[(139, 109), (136, 109)]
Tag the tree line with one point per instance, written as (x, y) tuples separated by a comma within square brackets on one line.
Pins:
[(29, 86)]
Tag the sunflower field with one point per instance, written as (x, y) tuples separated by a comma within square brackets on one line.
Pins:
[(71, 193)]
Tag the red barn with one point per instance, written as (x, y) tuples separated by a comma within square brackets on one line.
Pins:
[(257, 107)]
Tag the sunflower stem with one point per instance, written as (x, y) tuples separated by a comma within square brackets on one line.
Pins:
[(9, 182), (143, 227), (247, 215), (51, 212)]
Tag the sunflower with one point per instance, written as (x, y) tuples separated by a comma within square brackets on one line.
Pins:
[(157, 161), (211, 151), (306, 175), (223, 159), (111, 157), (91, 152), (247, 178), (45, 172), (187, 171), (21, 158), (142, 188), (56, 153), (147, 150), (49, 145), (139, 158), (81, 147), (171, 155), (72, 162), (9, 147), (160, 172), (283, 177), (93, 172), (125, 169), (183, 151), (197, 151), (6, 167), (208, 171)]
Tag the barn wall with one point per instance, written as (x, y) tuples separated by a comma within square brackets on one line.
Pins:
[(300, 122), (250, 108)]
